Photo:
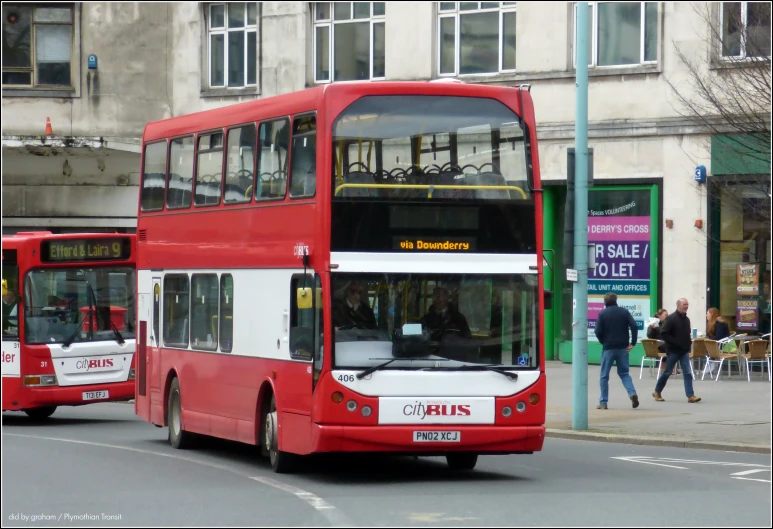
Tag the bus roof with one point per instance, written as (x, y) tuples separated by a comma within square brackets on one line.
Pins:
[(308, 100)]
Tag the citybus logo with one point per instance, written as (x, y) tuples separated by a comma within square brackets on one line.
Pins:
[(86, 364), (421, 410)]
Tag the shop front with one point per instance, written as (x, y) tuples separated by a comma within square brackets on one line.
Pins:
[(739, 235)]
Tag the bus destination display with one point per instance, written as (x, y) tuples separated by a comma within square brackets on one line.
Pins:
[(113, 248)]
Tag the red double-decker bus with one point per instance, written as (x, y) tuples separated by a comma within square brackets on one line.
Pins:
[(349, 268), (68, 320)]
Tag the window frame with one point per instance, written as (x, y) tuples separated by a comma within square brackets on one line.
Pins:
[(216, 342), (330, 23), (248, 197), (166, 142), (220, 318), (309, 280), (221, 149), (744, 31), (170, 141), (455, 14), (259, 155), (293, 135), (32, 69), (175, 345), (225, 31), (593, 59)]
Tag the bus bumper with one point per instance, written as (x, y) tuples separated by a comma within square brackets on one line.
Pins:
[(35, 397), (399, 439)]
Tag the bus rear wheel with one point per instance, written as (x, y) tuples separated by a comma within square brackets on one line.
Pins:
[(462, 461), (178, 437), (40, 413), (281, 462)]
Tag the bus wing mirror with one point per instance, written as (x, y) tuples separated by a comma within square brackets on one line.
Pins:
[(303, 298), (548, 299)]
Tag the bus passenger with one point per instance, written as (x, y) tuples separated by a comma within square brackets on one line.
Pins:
[(442, 316), (353, 311), (9, 309)]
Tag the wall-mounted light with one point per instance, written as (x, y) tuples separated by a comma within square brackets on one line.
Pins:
[(699, 224), (669, 224)]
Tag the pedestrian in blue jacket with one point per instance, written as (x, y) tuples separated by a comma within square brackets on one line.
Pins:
[(612, 326)]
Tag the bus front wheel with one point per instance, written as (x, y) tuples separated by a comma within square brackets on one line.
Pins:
[(462, 461), (281, 462), (178, 437), (40, 413)]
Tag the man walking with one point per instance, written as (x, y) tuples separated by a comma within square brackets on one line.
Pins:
[(612, 327), (676, 334)]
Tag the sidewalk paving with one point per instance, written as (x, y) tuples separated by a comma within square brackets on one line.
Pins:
[(733, 414)]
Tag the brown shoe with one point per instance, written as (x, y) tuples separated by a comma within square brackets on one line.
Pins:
[(693, 399), (658, 397), (603, 407)]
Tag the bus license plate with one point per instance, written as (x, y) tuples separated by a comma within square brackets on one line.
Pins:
[(94, 395), (436, 437)]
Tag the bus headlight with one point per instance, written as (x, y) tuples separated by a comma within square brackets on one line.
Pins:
[(507, 411), (351, 405), (366, 411), (521, 407)]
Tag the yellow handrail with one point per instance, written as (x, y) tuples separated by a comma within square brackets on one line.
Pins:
[(427, 186), (214, 325)]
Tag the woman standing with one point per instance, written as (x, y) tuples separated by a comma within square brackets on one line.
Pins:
[(717, 327)]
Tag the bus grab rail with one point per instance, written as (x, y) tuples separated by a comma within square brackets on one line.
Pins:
[(431, 187)]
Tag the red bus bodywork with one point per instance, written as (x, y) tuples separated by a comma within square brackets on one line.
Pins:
[(227, 395), (41, 374)]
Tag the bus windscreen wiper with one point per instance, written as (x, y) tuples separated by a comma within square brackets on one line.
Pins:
[(118, 336), (483, 367), (71, 338), (363, 374)]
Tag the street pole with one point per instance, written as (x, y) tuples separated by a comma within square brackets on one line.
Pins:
[(580, 287)]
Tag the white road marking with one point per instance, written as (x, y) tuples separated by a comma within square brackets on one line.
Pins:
[(635, 459), (752, 471), (331, 513), (327, 510)]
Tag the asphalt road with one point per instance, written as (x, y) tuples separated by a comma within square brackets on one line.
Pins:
[(100, 465)]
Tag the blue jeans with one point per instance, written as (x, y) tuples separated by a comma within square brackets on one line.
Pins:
[(684, 361), (619, 357)]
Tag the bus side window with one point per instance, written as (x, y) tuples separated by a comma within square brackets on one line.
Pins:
[(153, 177), (180, 180), (301, 321), (226, 313), (176, 308), (303, 157)]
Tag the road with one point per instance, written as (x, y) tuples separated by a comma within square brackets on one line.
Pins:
[(100, 465)]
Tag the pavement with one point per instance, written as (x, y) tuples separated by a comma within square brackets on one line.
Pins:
[(733, 415)]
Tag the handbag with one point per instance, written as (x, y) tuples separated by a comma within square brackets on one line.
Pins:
[(730, 347)]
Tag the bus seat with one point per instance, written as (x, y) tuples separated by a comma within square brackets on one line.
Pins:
[(453, 177), (359, 177), (488, 179)]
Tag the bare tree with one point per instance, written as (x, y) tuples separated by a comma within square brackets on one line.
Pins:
[(728, 93)]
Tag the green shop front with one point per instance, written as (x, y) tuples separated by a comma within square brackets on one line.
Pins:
[(624, 222)]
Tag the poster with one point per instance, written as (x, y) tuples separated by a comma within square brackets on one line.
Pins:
[(747, 315), (619, 227), (748, 279)]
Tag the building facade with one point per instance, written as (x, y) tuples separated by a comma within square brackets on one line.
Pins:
[(100, 71)]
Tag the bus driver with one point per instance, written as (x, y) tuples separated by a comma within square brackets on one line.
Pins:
[(354, 311), (442, 316)]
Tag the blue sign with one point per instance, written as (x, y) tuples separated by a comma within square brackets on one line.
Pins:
[(523, 360), (700, 174), (92, 62)]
